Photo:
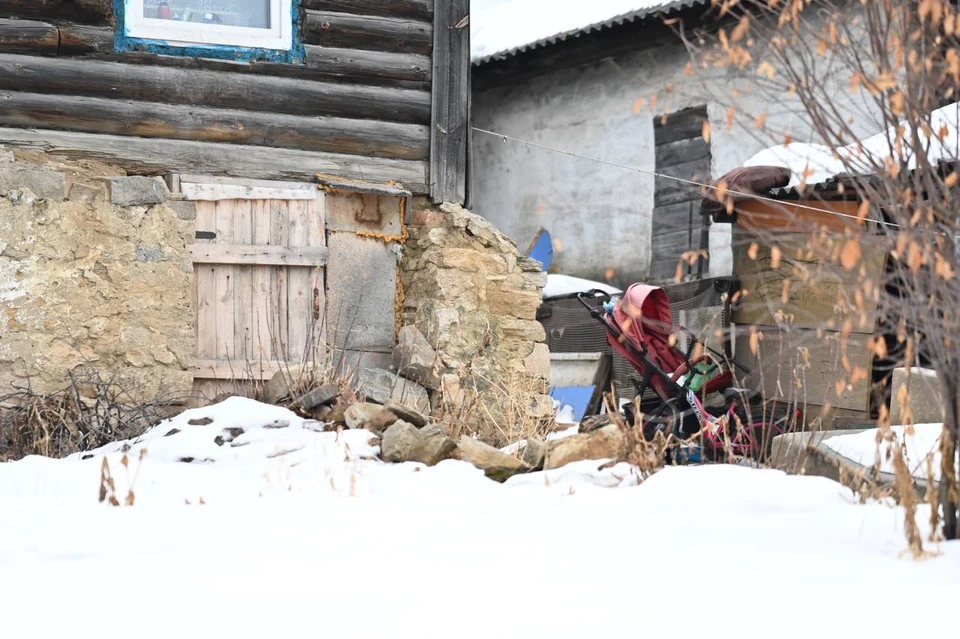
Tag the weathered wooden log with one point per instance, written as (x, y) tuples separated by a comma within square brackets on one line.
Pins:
[(152, 156), (348, 31), (82, 11), (410, 9), (364, 66), (81, 39), (201, 88), (28, 36), (153, 120), (354, 66)]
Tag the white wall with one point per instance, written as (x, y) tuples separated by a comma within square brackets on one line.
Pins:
[(600, 214)]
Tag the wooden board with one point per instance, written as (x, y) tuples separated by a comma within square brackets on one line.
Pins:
[(806, 367), (810, 304), (152, 156), (257, 255), (450, 127)]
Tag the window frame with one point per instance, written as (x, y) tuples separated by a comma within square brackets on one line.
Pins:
[(193, 38)]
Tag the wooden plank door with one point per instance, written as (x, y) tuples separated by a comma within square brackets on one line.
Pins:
[(258, 289), (681, 152)]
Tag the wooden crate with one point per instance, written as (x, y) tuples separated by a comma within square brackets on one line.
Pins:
[(820, 299), (806, 366)]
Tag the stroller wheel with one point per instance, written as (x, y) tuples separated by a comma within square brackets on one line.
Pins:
[(665, 421)]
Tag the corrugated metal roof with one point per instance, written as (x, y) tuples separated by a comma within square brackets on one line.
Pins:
[(640, 15)]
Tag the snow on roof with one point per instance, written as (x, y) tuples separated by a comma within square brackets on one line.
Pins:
[(813, 164), (507, 27)]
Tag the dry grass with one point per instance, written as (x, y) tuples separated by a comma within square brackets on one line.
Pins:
[(90, 412), (498, 412)]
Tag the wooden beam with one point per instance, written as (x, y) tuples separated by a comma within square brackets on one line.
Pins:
[(451, 102), (199, 88), (212, 192), (227, 369), (154, 156), (349, 31), (411, 9), (257, 255), (82, 11), (29, 36), (334, 183), (178, 122)]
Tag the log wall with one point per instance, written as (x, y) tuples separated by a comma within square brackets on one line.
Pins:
[(361, 100)]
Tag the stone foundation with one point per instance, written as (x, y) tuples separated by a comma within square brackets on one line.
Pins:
[(474, 297), (92, 275)]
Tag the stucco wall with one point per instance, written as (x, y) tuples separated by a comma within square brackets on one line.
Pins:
[(86, 283), (600, 214)]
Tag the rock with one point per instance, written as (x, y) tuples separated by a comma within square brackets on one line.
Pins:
[(922, 395), (537, 363), (608, 442), (319, 396), (200, 421), (406, 413), (184, 210), (415, 359), (380, 385), (137, 190), (495, 463), (436, 445), (356, 415), (227, 435), (279, 386), (44, 183), (534, 453), (380, 421), (594, 422), (404, 442), (85, 193)]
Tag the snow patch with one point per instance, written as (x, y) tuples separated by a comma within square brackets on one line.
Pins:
[(560, 285), (862, 448), (814, 163)]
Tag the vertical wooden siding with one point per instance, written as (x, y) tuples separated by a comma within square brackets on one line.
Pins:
[(681, 152)]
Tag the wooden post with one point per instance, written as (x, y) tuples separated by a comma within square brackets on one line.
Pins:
[(450, 122)]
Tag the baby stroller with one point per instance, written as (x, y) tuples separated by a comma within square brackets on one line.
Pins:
[(639, 326)]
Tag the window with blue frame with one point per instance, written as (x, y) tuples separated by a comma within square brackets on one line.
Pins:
[(236, 29)]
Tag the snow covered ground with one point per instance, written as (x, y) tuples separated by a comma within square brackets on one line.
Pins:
[(291, 532), (921, 441)]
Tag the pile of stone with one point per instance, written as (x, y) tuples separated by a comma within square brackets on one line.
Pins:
[(400, 417)]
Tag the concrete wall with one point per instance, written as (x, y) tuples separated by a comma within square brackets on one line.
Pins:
[(601, 215)]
